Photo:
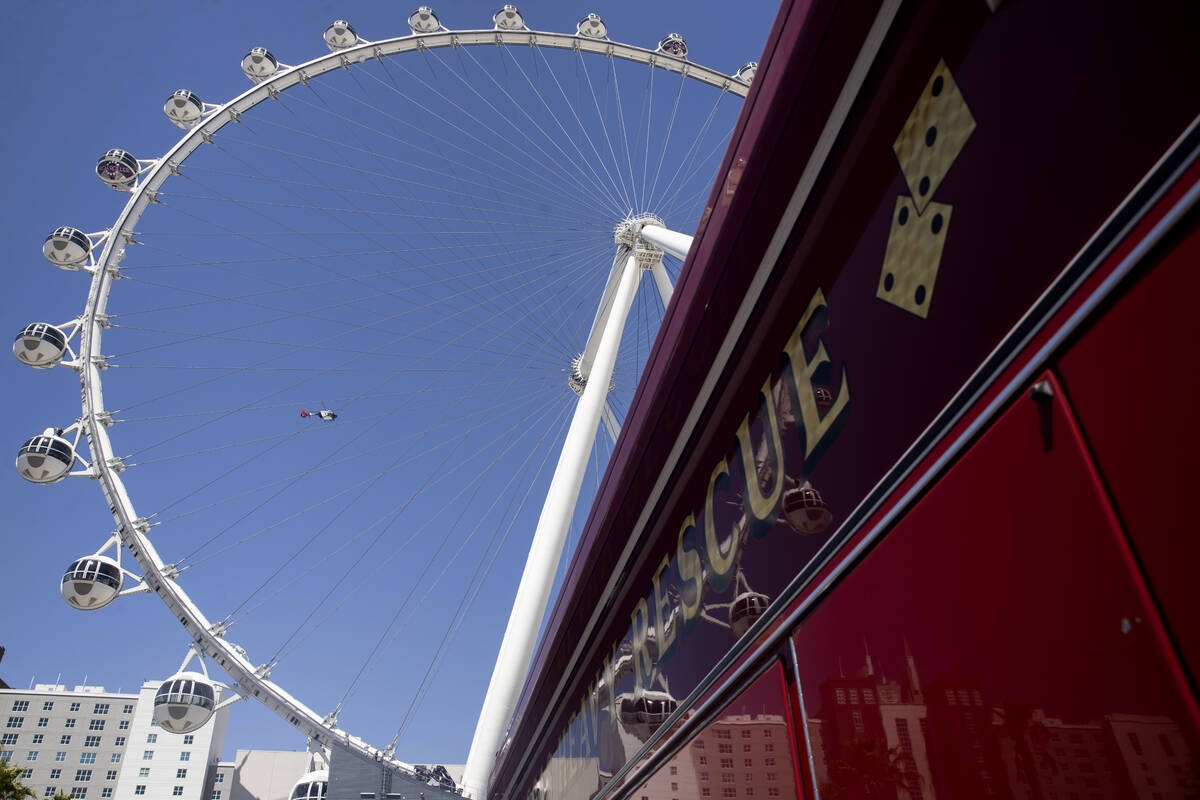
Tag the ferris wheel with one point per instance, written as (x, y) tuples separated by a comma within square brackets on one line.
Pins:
[(343, 336)]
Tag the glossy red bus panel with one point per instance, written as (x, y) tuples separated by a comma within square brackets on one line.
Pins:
[(995, 642), (1134, 381)]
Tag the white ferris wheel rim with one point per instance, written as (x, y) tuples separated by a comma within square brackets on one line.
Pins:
[(254, 680)]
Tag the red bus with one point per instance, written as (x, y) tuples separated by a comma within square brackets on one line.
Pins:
[(901, 508)]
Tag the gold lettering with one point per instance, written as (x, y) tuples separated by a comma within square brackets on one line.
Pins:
[(761, 506), (691, 572), (662, 610), (720, 564), (801, 372)]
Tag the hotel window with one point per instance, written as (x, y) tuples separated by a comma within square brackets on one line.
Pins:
[(769, 747), (857, 717), (674, 771), (78, 792), (100, 708), (48, 705), (31, 755), (106, 791), (15, 722), (124, 725), (180, 774), (111, 775), (38, 738), (746, 748), (144, 772), (748, 791), (749, 762), (868, 697), (767, 733), (128, 709), (151, 738), (43, 722), (726, 763), (20, 705), (728, 791), (64, 739), (840, 695), (96, 725), (91, 741), (771, 776), (220, 777), (82, 775), (769, 762), (87, 758), (725, 748), (726, 777), (216, 795), (27, 773), (74, 707), (61, 755), (185, 756), (703, 760), (6, 756), (746, 734), (9, 738), (120, 741), (147, 755), (854, 697), (724, 733), (115, 758), (69, 722), (188, 739), (177, 791), (772, 791), (51, 791), (139, 789), (55, 774), (705, 791)]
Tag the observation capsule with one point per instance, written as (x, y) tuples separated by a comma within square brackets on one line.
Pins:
[(645, 714), (805, 511), (259, 64), (745, 611), (184, 702), (746, 73), (673, 45), (40, 345), (340, 35), (91, 582), (118, 169), (592, 27), (508, 18), (46, 458), (184, 108), (311, 786), (423, 20), (67, 247)]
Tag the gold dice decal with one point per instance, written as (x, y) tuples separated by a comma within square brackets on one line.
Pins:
[(914, 251), (932, 138)]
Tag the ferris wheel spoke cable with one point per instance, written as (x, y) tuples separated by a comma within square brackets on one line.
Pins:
[(534, 265), (577, 175), (601, 113), (619, 187), (456, 501), (446, 413), (553, 187), (684, 173), (292, 480), (486, 560), (616, 82), (516, 190), (536, 412), (548, 288), (506, 50)]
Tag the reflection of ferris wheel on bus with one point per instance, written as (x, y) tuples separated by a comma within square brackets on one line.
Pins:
[(442, 234)]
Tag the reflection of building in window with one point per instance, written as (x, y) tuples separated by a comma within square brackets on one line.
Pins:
[(1153, 757)]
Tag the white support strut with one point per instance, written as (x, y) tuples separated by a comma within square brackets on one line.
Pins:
[(675, 243), (529, 607)]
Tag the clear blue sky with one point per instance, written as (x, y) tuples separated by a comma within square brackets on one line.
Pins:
[(85, 77)]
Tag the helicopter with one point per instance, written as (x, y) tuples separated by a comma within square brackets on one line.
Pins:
[(324, 414)]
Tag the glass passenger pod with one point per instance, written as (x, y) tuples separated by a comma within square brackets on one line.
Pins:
[(423, 20), (91, 582), (259, 64), (67, 247), (746, 73), (745, 610), (805, 511), (46, 458), (118, 169), (592, 27), (340, 35), (673, 45), (311, 786), (644, 714), (40, 345), (184, 108), (508, 19), (184, 702)]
